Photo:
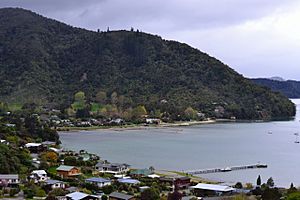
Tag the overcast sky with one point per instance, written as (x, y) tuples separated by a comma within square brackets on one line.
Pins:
[(257, 38)]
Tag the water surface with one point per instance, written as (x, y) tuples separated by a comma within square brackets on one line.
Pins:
[(201, 147)]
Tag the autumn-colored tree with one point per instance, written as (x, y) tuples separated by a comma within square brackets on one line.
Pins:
[(50, 157), (139, 111)]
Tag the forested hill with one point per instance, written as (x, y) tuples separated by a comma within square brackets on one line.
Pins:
[(46, 62), (289, 88)]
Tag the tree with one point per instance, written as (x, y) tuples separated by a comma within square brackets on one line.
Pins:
[(151, 168), (50, 156), (293, 196), (175, 195), (190, 113), (114, 98), (79, 97), (104, 197), (40, 193), (70, 160), (150, 194), (139, 112), (270, 182), (292, 189), (258, 181), (238, 185), (101, 97), (108, 189), (271, 194)]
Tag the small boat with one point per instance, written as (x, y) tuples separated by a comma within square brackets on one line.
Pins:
[(270, 132)]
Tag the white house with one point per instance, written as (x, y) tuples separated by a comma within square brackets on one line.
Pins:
[(112, 168), (53, 184), (38, 176)]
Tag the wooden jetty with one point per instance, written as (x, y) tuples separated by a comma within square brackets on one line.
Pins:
[(227, 169)]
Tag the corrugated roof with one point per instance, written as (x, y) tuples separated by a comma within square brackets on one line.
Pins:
[(9, 176), (120, 196), (128, 180), (213, 187), (33, 145), (97, 180), (77, 195), (39, 172), (52, 182), (65, 168)]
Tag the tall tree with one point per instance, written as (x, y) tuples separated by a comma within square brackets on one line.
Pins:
[(258, 181)]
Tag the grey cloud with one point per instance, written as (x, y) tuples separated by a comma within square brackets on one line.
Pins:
[(200, 23)]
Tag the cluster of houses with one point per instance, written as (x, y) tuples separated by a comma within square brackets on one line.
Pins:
[(122, 175)]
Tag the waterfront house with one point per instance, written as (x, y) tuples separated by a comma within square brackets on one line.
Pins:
[(120, 196), (35, 147), (81, 196), (38, 176), (202, 189), (66, 171), (9, 180), (54, 184), (112, 168), (181, 182), (100, 182)]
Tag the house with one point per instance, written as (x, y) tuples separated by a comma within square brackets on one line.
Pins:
[(129, 181), (153, 121), (66, 171), (48, 143), (112, 168), (120, 196), (100, 182), (178, 181), (54, 184), (38, 176), (10, 180), (35, 147), (140, 172), (202, 189), (4, 142), (117, 121), (81, 196)]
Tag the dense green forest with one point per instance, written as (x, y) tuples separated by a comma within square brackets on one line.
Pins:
[(46, 62), (289, 88)]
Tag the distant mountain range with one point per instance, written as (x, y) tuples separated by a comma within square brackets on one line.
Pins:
[(47, 62), (289, 88)]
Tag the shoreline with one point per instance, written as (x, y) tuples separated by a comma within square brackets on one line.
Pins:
[(135, 126)]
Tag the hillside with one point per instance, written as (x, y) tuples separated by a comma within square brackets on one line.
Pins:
[(289, 88), (46, 62)]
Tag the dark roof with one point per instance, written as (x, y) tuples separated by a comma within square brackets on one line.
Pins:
[(121, 195), (9, 176), (97, 180), (52, 182)]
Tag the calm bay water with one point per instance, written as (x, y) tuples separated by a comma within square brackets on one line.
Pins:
[(201, 147)]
